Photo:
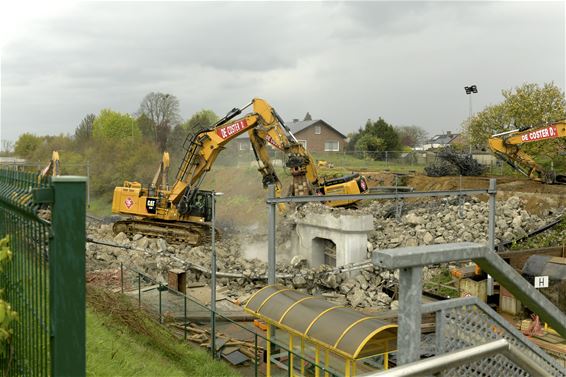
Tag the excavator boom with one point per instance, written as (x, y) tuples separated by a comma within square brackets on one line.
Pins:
[(506, 146)]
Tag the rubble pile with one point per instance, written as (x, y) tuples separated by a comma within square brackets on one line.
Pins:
[(441, 221), (155, 257)]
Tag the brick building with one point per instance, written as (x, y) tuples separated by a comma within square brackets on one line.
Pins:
[(315, 135)]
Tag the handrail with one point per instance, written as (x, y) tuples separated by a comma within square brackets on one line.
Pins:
[(462, 357)]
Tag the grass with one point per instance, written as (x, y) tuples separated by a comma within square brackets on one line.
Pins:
[(348, 163), (440, 283), (124, 341), (556, 236), (100, 206)]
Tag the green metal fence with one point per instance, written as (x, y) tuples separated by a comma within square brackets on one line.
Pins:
[(167, 305), (44, 219)]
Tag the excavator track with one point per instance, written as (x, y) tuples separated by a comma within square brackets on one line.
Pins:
[(190, 233)]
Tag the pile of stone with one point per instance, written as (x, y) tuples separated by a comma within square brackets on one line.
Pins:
[(155, 258), (439, 221), (442, 221)]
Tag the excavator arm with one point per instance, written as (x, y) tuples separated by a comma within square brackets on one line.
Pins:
[(205, 146), (54, 167), (506, 146)]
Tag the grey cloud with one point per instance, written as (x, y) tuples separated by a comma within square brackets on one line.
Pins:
[(343, 61)]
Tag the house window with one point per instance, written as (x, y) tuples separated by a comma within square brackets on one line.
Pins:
[(331, 146), (303, 143), (317, 130)]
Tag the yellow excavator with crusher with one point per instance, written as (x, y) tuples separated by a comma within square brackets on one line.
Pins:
[(182, 213), (506, 146)]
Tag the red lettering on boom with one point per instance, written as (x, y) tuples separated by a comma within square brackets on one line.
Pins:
[(544, 133), (232, 129)]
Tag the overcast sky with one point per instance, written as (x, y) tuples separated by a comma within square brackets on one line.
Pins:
[(344, 62)]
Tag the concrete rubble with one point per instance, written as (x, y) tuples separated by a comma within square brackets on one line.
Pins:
[(437, 221)]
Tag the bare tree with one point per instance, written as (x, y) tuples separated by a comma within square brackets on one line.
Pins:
[(7, 147), (163, 111)]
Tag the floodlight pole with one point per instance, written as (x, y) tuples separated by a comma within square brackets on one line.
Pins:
[(469, 91)]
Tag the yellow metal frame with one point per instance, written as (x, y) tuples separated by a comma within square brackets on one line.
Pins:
[(350, 327), (367, 338), (270, 296), (292, 306), (350, 359), (320, 315), (255, 294)]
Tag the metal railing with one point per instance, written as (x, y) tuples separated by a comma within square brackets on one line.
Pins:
[(468, 322), (44, 219), (171, 306)]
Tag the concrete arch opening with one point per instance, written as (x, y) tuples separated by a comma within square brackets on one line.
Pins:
[(323, 251)]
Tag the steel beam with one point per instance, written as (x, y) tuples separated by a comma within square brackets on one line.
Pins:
[(413, 256), (397, 195)]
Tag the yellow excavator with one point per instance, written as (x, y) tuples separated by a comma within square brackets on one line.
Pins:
[(181, 213), (506, 146), (53, 169)]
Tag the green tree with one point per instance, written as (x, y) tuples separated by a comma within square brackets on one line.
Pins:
[(385, 131), (526, 106), (353, 139), (146, 126), (370, 143), (116, 126), (83, 132), (200, 121), (26, 145)]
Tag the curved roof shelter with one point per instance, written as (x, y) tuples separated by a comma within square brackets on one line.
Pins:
[(340, 329)]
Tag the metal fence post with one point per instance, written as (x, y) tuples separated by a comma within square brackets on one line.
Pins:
[(271, 259), (439, 331), (409, 332), (185, 318), (159, 289), (88, 184), (491, 228), (67, 276), (256, 361), (213, 279)]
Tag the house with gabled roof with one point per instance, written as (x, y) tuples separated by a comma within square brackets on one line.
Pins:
[(441, 141), (316, 135)]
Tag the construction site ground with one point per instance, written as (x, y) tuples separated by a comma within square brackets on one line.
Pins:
[(242, 217)]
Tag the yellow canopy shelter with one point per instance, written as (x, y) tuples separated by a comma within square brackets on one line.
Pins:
[(343, 331)]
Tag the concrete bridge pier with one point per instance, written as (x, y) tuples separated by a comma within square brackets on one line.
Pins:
[(333, 240)]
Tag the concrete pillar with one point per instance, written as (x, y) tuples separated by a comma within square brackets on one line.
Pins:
[(348, 232)]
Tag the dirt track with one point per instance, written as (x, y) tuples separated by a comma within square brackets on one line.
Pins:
[(539, 197)]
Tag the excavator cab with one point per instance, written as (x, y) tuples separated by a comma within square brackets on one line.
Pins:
[(201, 205)]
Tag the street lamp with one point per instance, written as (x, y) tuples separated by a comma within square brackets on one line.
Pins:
[(469, 91)]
